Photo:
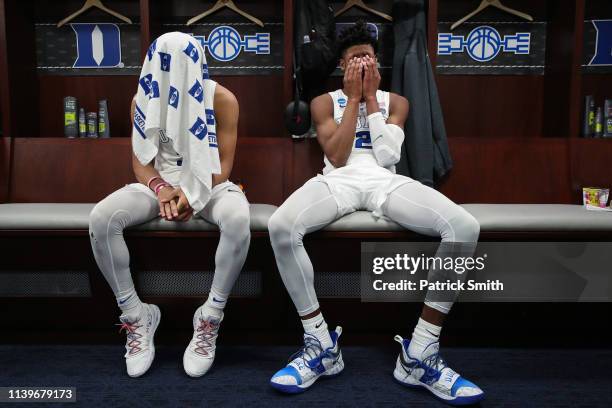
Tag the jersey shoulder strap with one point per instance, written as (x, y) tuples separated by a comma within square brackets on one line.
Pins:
[(209, 91), (384, 102), (339, 101)]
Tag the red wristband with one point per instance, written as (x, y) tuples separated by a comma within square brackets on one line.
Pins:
[(152, 179), (160, 186)]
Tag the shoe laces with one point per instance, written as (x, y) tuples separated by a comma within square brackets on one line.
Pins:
[(311, 353), (133, 343), (434, 364), (206, 334)]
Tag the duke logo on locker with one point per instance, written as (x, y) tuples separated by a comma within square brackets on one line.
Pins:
[(98, 45)]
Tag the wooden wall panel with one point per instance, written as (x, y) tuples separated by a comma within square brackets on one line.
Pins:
[(261, 106), (591, 164), (68, 170), (307, 161), (5, 167), (87, 170), (487, 170), (496, 170), (507, 170), (492, 106), (264, 165)]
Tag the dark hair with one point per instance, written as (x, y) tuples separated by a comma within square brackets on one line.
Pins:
[(357, 34)]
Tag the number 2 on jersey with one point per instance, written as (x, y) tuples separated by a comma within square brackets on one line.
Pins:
[(363, 140)]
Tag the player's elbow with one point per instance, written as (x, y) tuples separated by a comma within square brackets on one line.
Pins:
[(386, 156), (337, 160)]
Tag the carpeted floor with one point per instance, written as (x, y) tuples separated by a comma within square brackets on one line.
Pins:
[(511, 378)]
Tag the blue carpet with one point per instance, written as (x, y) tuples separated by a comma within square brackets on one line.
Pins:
[(511, 378)]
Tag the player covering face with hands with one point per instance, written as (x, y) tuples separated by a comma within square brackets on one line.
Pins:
[(360, 130), (159, 193)]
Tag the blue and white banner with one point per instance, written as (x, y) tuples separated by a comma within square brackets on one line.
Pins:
[(597, 46), (233, 47), (491, 48)]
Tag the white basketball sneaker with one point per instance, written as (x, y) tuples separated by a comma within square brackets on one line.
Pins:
[(140, 350), (200, 353), (434, 375), (309, 364)]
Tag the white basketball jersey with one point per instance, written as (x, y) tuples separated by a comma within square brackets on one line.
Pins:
[(361, 153), (168, 162)]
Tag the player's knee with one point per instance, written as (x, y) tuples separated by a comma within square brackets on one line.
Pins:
[(238, 226), (279, 228), (465, 227), (98, 222), (104, 222)]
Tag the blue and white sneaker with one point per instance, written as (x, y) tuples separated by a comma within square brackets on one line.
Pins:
[(433, 374), (308, 364)]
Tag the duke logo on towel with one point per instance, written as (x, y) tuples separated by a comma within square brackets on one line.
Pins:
[(192, 52), (164, 60), (199, 129), (173, 97), (197, 92)]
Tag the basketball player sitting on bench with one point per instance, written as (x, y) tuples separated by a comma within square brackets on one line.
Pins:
[(157, 193), (359, 128)]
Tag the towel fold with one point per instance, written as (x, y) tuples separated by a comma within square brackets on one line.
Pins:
[(171, 101)]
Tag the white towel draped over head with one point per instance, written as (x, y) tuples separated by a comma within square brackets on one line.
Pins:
[(170, 99)]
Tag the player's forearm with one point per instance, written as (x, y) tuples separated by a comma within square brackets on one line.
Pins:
[(372, 105), (226, 170), (341, 141), (386, 138), (144, 174)]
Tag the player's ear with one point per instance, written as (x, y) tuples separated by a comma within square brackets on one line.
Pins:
[(341, 64)]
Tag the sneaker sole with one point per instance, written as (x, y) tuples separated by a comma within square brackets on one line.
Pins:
[(155, 325), (457, 401), (334, 371), (195, 375)]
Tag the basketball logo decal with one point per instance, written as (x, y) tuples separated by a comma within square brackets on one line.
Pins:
[(224, 43), (483, 43)]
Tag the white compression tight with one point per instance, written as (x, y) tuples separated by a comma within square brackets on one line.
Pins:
[(135, 204), (413, 205)]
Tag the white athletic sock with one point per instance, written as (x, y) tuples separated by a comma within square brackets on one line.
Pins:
[(130, 305), (423, 335), (215, 304), (317, 327)]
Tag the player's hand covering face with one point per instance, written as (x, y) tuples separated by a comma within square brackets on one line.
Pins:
[(371, 77), (353, 84)]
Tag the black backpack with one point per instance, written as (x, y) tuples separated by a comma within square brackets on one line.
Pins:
[(314, 39), (314, 58)]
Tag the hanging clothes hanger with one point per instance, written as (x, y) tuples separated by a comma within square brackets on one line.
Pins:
[(94, 4), (230, 5), (495, 3), (359, 3)]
